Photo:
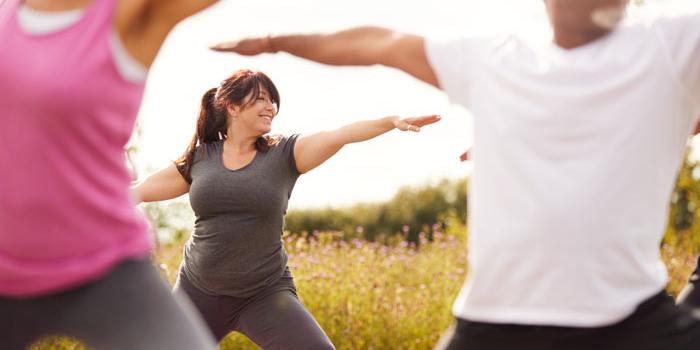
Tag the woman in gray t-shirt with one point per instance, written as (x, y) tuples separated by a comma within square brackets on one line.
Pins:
[(239, 180)]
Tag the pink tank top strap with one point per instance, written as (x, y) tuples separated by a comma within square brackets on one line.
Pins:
[(7, 8), (101, 12)]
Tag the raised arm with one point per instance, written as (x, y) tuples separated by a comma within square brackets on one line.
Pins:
[(361, 46), (159, 186), (311, 151), (144, 24), (173, 11)]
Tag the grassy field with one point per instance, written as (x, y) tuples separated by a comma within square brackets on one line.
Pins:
[(371, 296), (366, 295)]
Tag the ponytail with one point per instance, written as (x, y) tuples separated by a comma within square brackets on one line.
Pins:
[(211, 126)]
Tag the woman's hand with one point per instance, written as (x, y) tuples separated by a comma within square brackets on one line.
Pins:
[(415, 123), (246, 47)]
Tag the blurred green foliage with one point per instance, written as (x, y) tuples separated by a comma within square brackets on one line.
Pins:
[(411, 211)]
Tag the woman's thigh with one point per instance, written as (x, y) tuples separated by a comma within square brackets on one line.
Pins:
[(280, 321)]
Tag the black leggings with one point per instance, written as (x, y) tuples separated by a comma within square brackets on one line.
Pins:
[(129, 308), (657, 324), (273, 318)]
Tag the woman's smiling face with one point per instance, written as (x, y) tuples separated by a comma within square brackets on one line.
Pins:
[(256, 113)]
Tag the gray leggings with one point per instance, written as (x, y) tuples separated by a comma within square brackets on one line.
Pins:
[(130, 308), (274, 318)]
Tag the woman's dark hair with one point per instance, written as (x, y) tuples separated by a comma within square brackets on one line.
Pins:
[(212, 123)]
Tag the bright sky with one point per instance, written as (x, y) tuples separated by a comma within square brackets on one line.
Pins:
[(316, 97)]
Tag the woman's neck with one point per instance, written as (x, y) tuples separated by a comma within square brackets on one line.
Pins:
[(240, 144)]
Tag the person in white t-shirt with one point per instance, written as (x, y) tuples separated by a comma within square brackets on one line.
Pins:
[(577, 145)]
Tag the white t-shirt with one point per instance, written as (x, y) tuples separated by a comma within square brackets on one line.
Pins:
[(575, 155)]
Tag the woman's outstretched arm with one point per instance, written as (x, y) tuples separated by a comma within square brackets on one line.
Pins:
[(311, 151), (164, 184)]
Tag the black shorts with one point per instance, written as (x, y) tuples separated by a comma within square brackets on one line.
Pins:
[(656, 324)]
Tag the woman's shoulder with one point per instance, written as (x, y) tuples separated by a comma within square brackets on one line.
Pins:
[(285, 139), (205, 150), (277, 141)]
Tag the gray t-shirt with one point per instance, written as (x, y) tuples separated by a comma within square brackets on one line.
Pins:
[(236, 247)]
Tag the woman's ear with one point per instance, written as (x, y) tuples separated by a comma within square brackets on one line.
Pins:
[(232, 110)]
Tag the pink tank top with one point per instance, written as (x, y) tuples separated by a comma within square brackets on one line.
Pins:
[(66, 114)]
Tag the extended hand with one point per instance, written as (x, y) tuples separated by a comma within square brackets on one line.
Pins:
[(246, 47), (415, 123)]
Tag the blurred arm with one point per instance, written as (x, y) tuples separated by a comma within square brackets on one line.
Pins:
[(362, 46), (143, 25), (311, 151), (174, 11), (161, 185)]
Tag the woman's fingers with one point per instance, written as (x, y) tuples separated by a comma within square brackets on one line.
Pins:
[(226, 46), (415, 123), (247, 47), (426, 120), (423, 120), (405, 125), (411, 127)]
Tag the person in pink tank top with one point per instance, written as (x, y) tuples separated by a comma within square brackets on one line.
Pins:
[(73, 250)]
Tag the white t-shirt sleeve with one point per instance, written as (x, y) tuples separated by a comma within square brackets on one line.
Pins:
[(456, 64), (681, 36)]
